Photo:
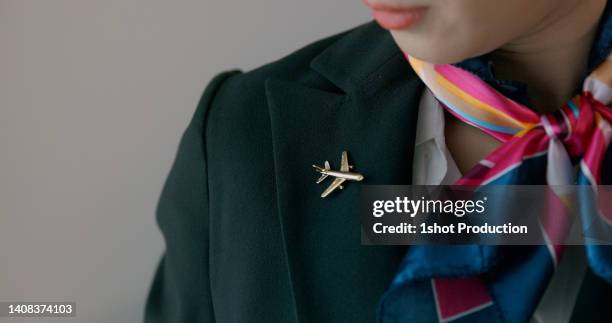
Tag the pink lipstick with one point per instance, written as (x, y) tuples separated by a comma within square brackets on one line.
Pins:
[(394, 16)]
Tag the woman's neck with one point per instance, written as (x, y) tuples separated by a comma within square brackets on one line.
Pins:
[(552, 58)]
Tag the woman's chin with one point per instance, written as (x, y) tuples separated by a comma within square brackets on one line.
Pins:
[(429, 50)]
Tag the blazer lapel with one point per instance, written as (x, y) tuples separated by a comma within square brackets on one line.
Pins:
[(373, 117)]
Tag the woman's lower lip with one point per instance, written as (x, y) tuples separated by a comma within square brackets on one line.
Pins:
[(398, 19)]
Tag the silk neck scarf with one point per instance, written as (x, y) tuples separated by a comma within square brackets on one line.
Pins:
[(470, 283)]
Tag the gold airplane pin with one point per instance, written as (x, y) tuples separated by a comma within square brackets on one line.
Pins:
[(341, 176)]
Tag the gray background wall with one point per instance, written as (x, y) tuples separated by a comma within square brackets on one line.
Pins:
[(94, 95)]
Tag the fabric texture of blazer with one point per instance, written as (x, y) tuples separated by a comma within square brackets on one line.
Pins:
[(248, 237)]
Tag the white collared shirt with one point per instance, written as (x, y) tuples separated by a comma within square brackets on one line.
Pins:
[(434, 165)]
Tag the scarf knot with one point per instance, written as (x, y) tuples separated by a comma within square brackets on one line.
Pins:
[(574, 124)]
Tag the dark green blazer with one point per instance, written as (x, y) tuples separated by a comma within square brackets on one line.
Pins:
[(248, 237)]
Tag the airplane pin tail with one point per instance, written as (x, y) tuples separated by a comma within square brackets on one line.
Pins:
[(322, 178), (322, 170)]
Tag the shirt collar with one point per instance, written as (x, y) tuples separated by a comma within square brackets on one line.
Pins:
[(430, 124), (432, 163)]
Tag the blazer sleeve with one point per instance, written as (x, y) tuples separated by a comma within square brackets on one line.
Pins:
[(180, 291)]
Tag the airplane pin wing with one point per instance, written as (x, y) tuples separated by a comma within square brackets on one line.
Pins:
[(337, 183), (344, 165)]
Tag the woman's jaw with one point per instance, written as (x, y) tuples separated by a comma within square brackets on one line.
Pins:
[(449, 31)]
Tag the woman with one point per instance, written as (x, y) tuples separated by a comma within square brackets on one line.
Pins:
[(248, 237)]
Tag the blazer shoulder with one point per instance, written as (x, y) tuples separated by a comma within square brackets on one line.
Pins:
[(237, 99), (249, 87)]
